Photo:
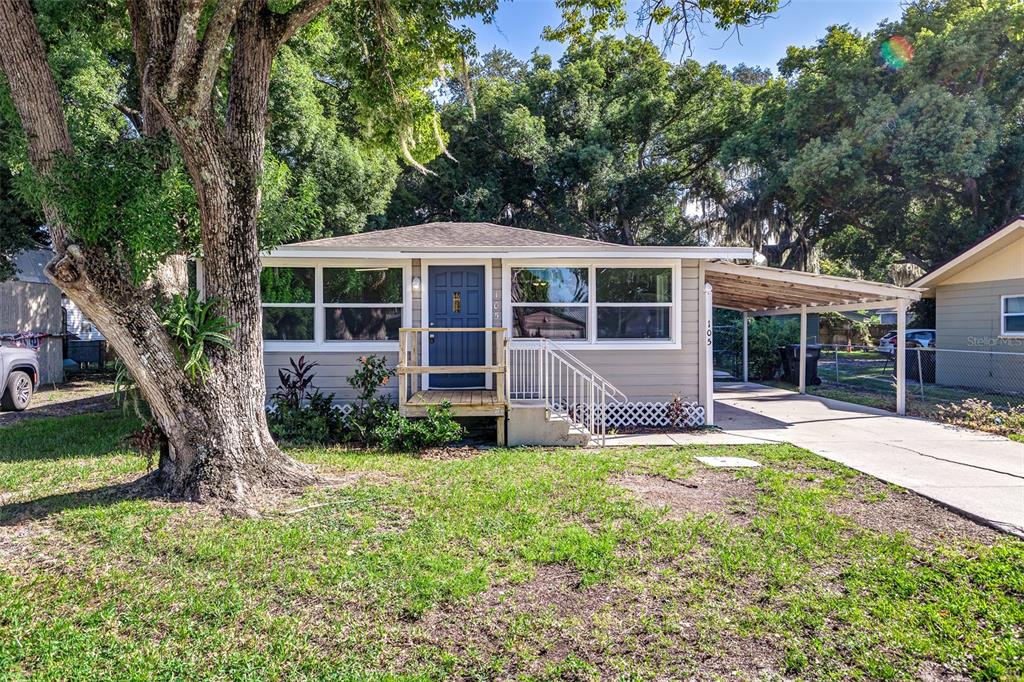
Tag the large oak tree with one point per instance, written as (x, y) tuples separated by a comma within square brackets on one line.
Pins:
[(200, 73)]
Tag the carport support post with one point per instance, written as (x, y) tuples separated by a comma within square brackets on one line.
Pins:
[(803, 349), (746, 351), (901, 356)]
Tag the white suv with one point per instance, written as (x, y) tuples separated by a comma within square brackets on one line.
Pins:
[(19, 376)]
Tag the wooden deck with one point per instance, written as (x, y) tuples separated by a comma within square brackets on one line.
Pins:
[(464, 402)]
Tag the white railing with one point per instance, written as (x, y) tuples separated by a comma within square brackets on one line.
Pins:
[(542, 370)]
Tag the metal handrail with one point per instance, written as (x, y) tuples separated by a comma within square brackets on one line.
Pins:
[(585, 368), (566, 385), (569, 357)]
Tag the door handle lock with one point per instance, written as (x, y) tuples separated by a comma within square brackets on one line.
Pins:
[(431, 337)]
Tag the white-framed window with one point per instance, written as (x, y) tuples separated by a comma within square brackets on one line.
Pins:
[(289, 303), (356, 305), (605, 303), (362, 303), (1012, 314), (550, 302), (634, 303)]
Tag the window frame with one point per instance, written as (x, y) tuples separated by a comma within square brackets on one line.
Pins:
[(674, 342), (320, 343), (1003, 315), (311, 306), (610, 304), (342, 343)]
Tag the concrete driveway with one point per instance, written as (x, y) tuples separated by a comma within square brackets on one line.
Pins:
[(978, 474)]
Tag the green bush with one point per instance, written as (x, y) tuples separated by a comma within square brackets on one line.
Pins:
[(398, 434), (370, 410), (300, 414), (764, 336)]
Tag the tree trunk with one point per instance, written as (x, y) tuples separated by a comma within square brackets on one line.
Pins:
[(221, 448)]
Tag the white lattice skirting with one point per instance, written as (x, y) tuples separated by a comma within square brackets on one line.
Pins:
[(633, 413), (650, 414), (344, 408)]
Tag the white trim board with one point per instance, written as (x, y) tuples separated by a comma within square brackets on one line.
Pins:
[(457, 253)]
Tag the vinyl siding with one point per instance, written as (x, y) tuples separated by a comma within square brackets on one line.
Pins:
[(331, 373), (657, 375), (967, 317)]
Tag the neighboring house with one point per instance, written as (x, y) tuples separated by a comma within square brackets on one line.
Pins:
[(30, 306), (979, 307), (78, 325), (592, 328)]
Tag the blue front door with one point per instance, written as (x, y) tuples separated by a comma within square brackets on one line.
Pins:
[(456, 300)]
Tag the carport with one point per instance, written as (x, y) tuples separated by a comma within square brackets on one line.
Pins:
[(758, 291)]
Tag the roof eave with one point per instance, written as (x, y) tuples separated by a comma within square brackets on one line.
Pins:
[(540, 251)]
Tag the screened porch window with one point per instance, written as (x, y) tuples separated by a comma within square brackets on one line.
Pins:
[(550, 303), (1013, 315), (362, 304), (288, 303), (634, 303)]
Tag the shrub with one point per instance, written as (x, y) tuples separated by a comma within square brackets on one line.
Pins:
[(982, 415), (371, 410), (764, 338), (299, 412), (398, 434)]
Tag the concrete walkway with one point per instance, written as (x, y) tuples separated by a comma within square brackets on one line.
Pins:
[(978, 474)]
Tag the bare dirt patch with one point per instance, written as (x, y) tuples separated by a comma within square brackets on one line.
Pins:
[(444, 454), (706, 491), (871, 504), (533, 626)]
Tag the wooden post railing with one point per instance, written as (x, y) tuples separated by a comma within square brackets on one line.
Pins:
[(410, 359)]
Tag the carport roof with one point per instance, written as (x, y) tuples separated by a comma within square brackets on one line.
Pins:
[(774, 291)]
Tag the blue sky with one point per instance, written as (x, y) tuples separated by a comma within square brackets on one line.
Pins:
[(518, 25)]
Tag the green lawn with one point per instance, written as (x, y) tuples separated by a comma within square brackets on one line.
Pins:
[(529, 564)]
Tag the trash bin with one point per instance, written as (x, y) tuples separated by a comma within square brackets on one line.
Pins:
[(791, 364), (926, 372)]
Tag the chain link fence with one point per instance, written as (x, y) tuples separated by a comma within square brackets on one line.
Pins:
[(935, 376)]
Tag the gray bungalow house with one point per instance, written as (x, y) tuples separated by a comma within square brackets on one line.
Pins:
[(558, 337)]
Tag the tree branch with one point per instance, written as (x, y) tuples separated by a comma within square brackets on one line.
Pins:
[(286, 25), (185, 47), (215, 40), (35, 96)]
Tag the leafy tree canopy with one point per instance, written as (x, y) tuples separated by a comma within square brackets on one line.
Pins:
[(900, 146), (611, 144)]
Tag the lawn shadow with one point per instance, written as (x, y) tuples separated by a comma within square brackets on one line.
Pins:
[(78, 436), (144, 488), (85, 405)]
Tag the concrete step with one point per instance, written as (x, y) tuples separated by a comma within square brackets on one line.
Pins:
[(530, 423)]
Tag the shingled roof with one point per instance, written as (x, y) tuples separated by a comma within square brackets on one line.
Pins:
[(443, 235)]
